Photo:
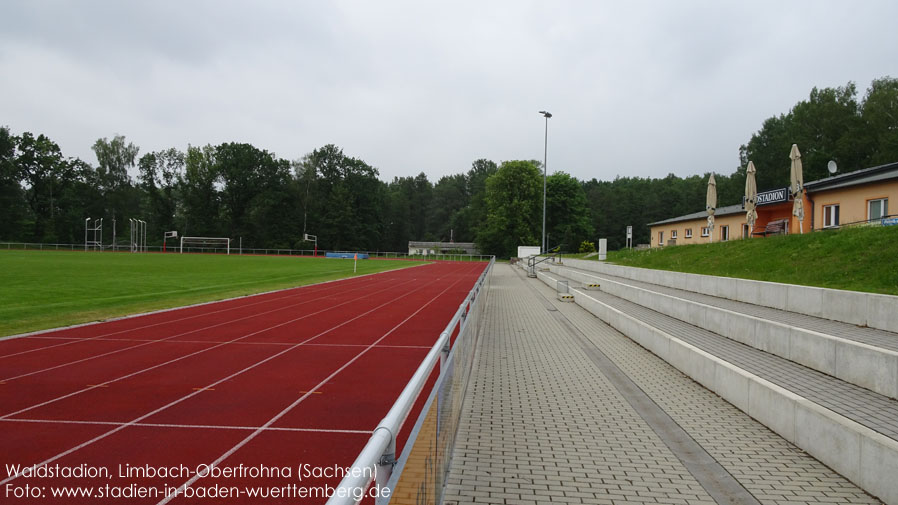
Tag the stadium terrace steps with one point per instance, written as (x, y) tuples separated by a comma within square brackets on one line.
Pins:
[(864, 309), (866, 357), (782, 368)]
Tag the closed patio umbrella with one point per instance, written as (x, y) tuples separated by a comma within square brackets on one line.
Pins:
[(751, 197), (797, 187), (711, 205)]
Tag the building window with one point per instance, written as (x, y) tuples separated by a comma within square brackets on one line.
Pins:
[(724, 233), (706, 232), (830, 216), (660, 238), (688, 232), (744, 230), (877, 209), (673, 234)]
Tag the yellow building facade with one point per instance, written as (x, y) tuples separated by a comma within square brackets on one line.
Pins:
[(864, 197)]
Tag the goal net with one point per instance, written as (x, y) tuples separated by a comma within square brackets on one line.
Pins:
[(205, 245)]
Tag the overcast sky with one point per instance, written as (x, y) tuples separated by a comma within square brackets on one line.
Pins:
[(636, 88)]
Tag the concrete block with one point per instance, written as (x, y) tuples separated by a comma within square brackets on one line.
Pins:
[(773, 338), (684, 358), (813, 350), (656, 341), (692, 282), (749, 292), (773, 406), (666, 304), (879, 467), (732, 383), (828, 437), (681, 281), (872, 368), (846, 306), (715, 321), (707, 285), (882, 312), (679, 308), (738, 327), (804, 300), (772, 294), (695, 314)]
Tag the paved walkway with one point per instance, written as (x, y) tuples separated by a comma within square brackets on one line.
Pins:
[(562, 408)]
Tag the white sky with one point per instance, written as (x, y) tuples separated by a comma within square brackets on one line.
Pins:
[(637, 88)]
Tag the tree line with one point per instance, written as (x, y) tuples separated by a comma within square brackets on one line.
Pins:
[(238, 190)]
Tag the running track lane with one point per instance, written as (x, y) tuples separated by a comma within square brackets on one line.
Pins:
[(273, 386)]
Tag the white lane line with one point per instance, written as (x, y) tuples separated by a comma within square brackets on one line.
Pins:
[(290, 407), (151, 342), (229, 377), (184, 426), (104, 384), (326, 284), (260, 343)]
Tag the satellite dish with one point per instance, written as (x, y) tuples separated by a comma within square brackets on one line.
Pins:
[(831, 166)]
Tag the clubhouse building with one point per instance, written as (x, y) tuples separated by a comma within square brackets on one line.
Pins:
[(856, 198)]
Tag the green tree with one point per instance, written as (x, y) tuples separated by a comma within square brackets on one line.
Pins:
[(254, 183), (567, 215), (468, 220), (12, 196), (827, 126), (880, 116), (159, 173), (200, 199), (449, 197), (514, 217), (40, 165), (114, 158), (346, 200)]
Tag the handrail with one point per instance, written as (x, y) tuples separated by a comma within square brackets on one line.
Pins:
[(532, 261), (375, 461)]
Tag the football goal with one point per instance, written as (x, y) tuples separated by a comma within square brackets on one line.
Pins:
[(205, 245)]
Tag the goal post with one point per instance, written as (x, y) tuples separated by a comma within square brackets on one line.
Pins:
[(206, 244)]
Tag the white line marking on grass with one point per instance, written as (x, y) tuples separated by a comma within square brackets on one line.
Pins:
[(194, 354), (156, 341), (290, 407), (184, 426), (191, 395)]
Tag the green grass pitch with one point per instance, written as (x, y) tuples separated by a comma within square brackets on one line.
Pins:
[(48, 289)]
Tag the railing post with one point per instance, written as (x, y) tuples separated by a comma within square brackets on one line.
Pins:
[(384, 469), (444, 355)]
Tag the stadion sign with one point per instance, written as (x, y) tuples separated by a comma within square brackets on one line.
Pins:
[(773, 196)]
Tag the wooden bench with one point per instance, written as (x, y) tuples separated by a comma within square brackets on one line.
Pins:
[(777, 227)]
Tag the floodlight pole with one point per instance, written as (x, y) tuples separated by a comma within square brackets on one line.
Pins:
[(86, 222), (547, 115)]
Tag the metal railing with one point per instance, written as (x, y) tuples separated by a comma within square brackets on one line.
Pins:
[(126, 247), (377, 459), (533, 261)]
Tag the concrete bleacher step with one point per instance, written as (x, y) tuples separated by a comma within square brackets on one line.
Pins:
[(863, 309), (848, 427), (866, 357)]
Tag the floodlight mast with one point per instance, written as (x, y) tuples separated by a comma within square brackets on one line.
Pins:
[(547, 115)]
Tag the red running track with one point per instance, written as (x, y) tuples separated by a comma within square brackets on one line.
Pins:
[(293, 379)]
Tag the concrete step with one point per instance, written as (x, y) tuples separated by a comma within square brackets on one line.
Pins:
[(849, 428), (865, 357), (863, 309)]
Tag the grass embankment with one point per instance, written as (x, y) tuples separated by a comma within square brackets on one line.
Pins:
[(48, 289), (858, 259)]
